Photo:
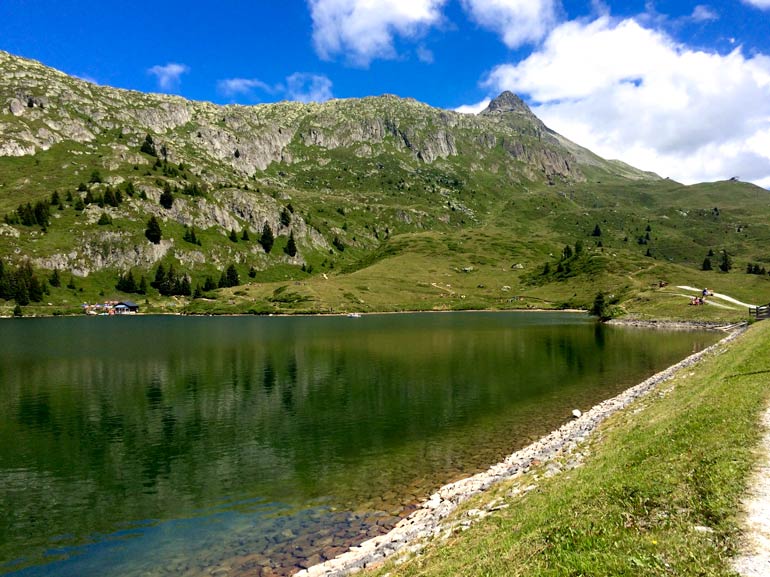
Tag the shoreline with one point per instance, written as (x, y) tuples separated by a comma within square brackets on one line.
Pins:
[(429, 520), (668, 324)]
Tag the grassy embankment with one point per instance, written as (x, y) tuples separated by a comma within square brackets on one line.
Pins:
[(658, 494)]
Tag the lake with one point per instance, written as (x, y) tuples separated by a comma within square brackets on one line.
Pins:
[(249, 445)]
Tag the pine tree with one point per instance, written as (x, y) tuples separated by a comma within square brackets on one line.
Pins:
[(127, 283), (160, 276), (55, 279), (291, 246), (597, 231), (153, 231), (142, 290), (209, 284), (267, 239), (232, 276), (285, 217), (148, 146), (166, 197), (599, 307), (233, 235), (706, 264), (185, 288), (726, 262), (245, 235)]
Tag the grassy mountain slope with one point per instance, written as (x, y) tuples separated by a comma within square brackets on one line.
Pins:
[(392, 204)]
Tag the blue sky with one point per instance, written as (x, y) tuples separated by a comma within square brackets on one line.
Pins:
[(681, 88)]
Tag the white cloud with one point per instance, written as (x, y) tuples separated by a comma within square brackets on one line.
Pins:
[(517, 21), (425, 55), (308, 87), (242, 86), (629, 92), (703, 13), (761, 4), (168, 75), (473, 108), (364, 30), (299, 86)]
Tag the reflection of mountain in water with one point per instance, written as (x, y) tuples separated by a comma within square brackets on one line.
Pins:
[(185, 415)]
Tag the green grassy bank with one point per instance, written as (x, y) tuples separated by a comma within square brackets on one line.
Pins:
[(658, 493)]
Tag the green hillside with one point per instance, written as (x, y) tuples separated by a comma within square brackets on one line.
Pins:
[(375, 204)]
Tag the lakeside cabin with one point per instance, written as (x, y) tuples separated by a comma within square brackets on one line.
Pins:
[(112, 308), (126, 308)]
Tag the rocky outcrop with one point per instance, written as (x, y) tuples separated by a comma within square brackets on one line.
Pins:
[(111, 250), (507, 102)]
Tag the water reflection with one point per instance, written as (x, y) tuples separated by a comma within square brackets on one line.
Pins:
[(236, 440)]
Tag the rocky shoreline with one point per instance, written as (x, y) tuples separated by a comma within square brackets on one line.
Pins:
[(676, 325), (430, 518)]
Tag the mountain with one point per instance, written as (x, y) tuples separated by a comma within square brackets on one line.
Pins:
[(372, 203)]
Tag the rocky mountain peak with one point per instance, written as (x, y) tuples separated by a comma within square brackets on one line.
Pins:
[(507, 102)]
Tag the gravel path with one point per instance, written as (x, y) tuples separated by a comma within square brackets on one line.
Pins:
[(719, 296), (755, 556)]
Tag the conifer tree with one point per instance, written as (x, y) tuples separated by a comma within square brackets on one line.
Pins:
[(291, 246), (167, 197), (148, 146), (153, 231), (267, 239), (726, 262), (232, 276), (285, 217), (209, 284)]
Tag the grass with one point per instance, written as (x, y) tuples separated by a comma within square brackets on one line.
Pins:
[(658, 494)]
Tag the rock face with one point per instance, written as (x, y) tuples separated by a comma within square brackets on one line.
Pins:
[(251, 139)]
